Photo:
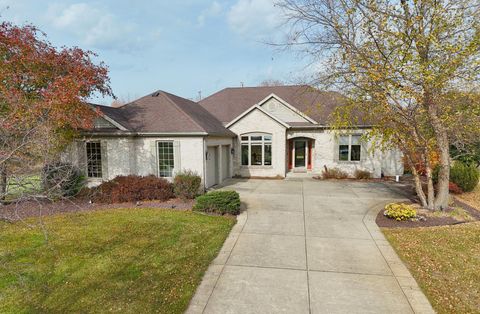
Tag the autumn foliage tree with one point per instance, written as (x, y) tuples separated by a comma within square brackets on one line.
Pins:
[(43, 95), (410, 68)]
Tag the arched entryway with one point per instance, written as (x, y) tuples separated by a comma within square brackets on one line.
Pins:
[(300, 154)]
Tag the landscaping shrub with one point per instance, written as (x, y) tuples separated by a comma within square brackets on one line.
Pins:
[(220, 202), (399, 212), (62, 179), (466, 176), (132, 189), (454, 189), (186, 184), (362, 174), (334, 173)]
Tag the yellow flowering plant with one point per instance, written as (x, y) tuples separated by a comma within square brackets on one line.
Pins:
[(400, 212)]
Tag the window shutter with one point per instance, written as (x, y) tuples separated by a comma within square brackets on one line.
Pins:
[(154, 157), (104, 152), (176, 157)]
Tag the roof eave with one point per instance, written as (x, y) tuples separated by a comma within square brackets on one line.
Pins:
[(145, 134)]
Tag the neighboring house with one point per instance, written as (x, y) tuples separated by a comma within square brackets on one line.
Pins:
[(248, 132)]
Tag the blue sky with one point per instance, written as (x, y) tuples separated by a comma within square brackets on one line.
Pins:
[(182, 46)]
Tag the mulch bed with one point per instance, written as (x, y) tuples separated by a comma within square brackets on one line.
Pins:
[(471, 210), (14, 212), (384, 222), (406, 187)]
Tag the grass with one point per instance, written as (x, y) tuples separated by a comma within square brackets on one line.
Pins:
[(458, 213), (128, 261), (471, 198), (445, 261), (25, 185)]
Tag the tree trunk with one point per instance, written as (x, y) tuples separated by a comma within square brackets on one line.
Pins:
[(419, 188), (441, 136), (428, 173), (441, 200), (430, 188), (3, 182)]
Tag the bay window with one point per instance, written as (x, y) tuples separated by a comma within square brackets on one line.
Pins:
[(256, 149)]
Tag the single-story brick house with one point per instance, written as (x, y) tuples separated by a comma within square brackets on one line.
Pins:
[(248, 132)]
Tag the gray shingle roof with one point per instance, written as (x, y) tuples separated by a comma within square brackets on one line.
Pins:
[(164, 112), (228, 103)]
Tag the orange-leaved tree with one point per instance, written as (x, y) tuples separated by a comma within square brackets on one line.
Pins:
[(43, 98)]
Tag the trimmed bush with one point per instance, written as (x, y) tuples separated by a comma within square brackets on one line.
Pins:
[(362, 174), (464, 176), (220, 202), (399, 212), (186, 184), (62, 179), (132, 189), (334, 173)]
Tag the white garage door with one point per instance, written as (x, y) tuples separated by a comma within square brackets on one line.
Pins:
[(225, 162), (212, 166)]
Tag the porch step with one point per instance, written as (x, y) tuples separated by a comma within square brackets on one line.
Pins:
[(296, 175)]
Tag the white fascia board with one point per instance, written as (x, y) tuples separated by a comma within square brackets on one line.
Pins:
[(286, 104), (246, 112), (115, 123)]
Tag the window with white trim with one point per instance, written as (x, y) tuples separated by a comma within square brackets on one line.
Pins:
[(94, 159), (166, 161), (349, 148), (256, 149)]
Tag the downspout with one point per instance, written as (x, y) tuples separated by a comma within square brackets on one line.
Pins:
[(204, 161)]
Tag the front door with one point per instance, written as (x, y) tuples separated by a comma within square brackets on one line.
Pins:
[(300, 155)]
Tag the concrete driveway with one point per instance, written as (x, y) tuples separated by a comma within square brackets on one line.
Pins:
[(308, 246)]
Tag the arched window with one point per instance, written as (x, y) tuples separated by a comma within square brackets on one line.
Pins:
[(256, 149)]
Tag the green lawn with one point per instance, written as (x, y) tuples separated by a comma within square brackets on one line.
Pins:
[(128, 261), (27, 184), (471, 198), (445, 261)]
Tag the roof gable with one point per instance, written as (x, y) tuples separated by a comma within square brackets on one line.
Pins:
[(229, 103), (283, 110), (253, 108)]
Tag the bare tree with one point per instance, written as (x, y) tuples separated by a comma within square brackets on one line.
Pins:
[(272, 82)]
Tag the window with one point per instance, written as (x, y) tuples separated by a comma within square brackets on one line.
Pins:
[(94, 159), (244, 154), (349, 148), (256, 150), (165, 159)]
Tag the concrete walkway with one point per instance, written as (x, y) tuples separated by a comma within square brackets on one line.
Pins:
[(308, 246)]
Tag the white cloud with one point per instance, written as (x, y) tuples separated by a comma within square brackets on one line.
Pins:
[(259, 17), (215, 9), (94, 26)]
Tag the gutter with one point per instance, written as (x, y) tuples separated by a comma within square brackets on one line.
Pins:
[(146, 134), (324, 127), (204, 162)]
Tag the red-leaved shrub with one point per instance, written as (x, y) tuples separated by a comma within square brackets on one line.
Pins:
[(454, 189), (132, 189)]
